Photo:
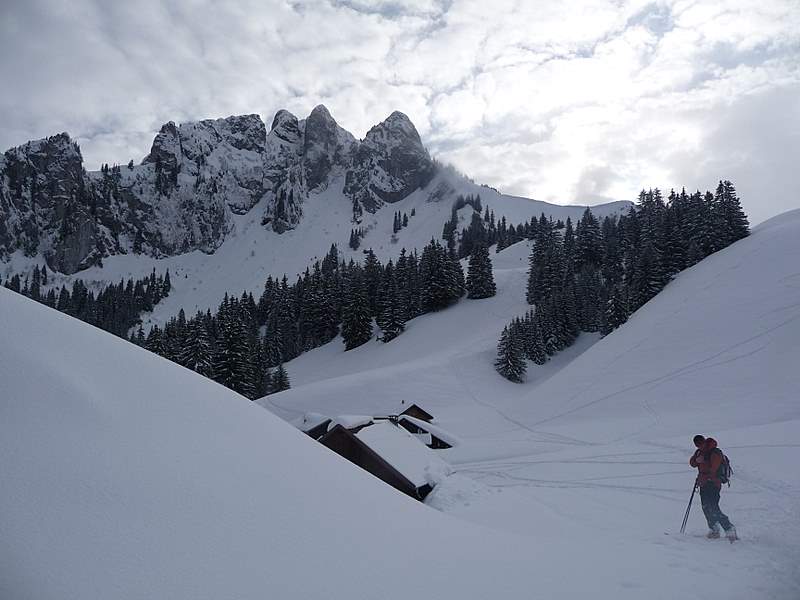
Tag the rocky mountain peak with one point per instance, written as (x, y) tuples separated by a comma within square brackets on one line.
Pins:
[(45, 203), (390, 163), (285, 127), (243, 132), (43, 154), (399, 124), (325, 146), (166, 148)]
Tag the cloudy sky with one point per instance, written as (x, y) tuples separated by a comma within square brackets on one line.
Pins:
[(570, 102)]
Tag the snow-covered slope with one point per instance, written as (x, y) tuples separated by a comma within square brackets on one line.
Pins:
[(595, 445), (718, 348), (126, 476)]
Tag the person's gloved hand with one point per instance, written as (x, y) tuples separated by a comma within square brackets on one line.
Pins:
[(698, 458)]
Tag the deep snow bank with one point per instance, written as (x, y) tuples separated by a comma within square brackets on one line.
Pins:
[(126, 476)]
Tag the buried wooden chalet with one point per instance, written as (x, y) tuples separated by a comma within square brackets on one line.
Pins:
[(388, 452)]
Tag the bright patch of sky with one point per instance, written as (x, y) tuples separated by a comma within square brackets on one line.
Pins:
[(577, 102)]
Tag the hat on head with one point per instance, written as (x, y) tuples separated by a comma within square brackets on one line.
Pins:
[(698, 440)]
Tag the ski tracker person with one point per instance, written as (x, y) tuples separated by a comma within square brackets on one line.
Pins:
[(708, 459)]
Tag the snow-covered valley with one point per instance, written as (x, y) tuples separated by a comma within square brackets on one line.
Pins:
[(594, 447), (128, 476)]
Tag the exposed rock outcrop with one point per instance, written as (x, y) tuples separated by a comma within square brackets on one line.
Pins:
[(183, 195)]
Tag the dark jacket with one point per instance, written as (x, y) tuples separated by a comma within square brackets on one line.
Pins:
[(707, 460)]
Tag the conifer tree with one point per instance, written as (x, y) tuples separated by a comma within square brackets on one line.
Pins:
[(455, 274), (279, 380), (356, 315), (372, 280), (533, 343), (154, 342), (438, 279), (510, 362), (233, 366), (732, 221), (588, 242), (392, 317), (616, 312), (480, 279), (197, 352)]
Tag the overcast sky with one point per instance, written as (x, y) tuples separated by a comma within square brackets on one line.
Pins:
[(570, 102)]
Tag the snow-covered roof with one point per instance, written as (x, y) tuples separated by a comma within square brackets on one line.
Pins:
[(415, 461), (440, 433), (310, 420)]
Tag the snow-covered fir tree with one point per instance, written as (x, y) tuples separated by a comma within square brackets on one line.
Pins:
[(510, 361), (480, 279), (197, 351), (356, 314), (391, 317), (279, 380)]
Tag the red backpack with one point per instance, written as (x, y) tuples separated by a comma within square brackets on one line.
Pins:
[(725, 470)]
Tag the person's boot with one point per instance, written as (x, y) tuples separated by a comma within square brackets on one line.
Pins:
[(731, 534), (713, 533)]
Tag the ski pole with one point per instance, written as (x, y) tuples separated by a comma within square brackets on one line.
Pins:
[(688, 508)]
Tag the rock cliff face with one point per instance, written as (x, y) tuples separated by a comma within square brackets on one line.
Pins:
[(46, 204), (183, 195), (389, 164)]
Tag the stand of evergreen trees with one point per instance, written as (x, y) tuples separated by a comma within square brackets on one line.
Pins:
[(594, 276), (244, 344), (355, 237), (400, 221), (486, 230), (116, 308)]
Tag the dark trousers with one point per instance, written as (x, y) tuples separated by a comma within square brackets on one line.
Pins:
[(709, 497)]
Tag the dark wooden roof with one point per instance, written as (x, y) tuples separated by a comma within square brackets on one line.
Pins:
[(346, 444), (418, 413)]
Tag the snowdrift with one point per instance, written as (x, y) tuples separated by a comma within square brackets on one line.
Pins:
[(126, 476)]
